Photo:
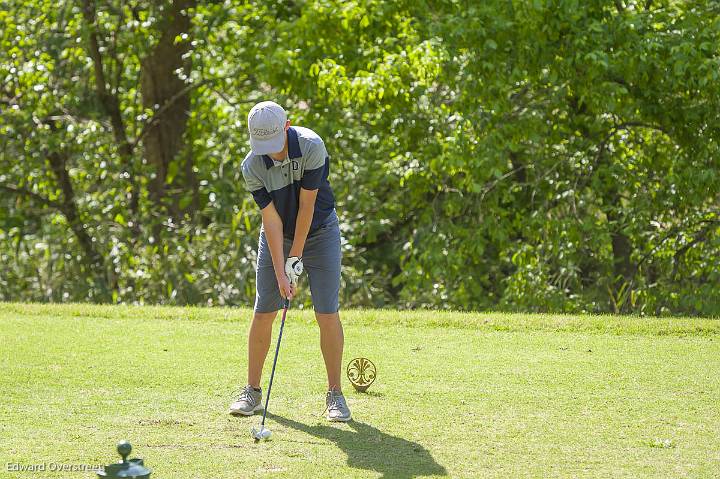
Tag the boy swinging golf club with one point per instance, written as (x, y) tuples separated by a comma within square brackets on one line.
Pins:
[(287, 173)]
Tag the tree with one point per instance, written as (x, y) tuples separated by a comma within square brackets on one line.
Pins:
[(541, 156)]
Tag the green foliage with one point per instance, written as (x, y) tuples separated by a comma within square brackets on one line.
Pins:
[(539, 156)]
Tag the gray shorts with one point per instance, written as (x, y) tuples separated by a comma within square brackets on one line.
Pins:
[(321, 258)]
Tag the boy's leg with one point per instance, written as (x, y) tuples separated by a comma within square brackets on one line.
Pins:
[(249, 399), (323, 258), (331, 345), (267, 303), (258, 345)]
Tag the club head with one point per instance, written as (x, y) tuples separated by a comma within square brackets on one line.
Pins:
[(261, 432)]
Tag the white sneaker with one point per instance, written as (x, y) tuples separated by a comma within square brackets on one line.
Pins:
[(249, 400), (336, 407)]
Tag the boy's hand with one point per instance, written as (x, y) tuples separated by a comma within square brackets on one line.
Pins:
[(293, 269), (287, 290)]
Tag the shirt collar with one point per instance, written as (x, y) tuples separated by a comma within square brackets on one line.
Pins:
[(293, 144), (293, 150)]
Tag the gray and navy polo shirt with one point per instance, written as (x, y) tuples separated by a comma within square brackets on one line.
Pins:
[(307, 166)]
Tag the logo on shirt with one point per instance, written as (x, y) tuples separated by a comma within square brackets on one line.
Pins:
[(295, 165)]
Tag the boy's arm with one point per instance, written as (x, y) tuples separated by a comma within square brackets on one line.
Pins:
[(304, 220), (309, 185), (273, 226)]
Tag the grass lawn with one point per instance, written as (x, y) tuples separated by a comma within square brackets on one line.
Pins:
[(457, 394)]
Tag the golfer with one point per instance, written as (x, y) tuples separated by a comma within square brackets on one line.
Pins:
[(287, 173)]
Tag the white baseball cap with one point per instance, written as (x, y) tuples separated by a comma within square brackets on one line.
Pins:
[(266, 123)]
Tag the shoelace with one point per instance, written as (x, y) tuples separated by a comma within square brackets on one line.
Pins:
[(335, 403), (243, 393)]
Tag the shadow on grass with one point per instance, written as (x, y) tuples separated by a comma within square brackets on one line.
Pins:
[(369, 448)]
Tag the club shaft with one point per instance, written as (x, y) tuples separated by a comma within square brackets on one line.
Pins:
[(277, 350)]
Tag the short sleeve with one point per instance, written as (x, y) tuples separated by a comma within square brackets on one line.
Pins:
[(315, 160), (256, 187)]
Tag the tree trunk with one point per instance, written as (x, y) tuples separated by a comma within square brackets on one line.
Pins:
[(623, 268), (166, 94), (111, 106), (68, 207), (621, 246)]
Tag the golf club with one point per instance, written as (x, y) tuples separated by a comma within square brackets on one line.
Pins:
[(262, 432)]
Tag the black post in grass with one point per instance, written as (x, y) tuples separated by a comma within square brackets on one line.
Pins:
[(127, 467)]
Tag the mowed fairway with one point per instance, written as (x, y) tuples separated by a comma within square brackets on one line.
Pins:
[(459, 395)]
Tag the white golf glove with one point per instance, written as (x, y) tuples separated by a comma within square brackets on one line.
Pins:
[(293, 269)]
